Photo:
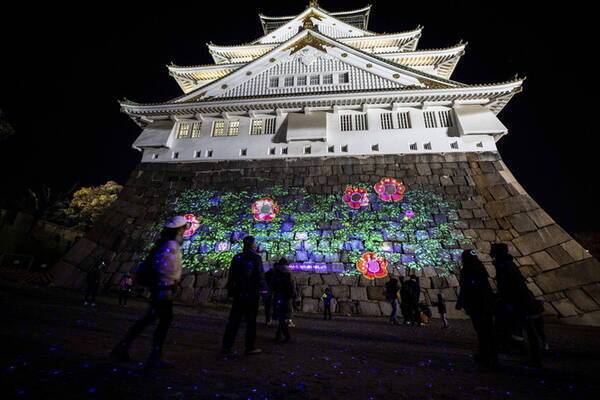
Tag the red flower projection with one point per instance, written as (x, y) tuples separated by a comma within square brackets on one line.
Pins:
[(390, 189), (356, 197), (372, 266), (265, 209), (194, 224)]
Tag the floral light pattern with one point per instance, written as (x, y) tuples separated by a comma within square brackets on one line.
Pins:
[(408, 214), (356, 197), (389, 189), (194, 224), (265, 209), (372, 266)]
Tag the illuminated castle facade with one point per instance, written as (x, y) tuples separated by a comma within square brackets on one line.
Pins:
[(351, 153)]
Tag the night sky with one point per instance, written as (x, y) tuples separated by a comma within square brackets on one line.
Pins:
[(65, 68)]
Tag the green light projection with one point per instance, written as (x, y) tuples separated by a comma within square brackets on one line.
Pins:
[(418, 231)]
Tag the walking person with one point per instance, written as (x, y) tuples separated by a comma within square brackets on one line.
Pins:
[(161, 269), (477, 299), (327, 297), (441, 307), (125, 286), (521, 306), (391, 293), (245, 284), (284, 293), (93, 279), (411, 291)]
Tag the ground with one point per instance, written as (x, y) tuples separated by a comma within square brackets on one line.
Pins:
[(53, 347)]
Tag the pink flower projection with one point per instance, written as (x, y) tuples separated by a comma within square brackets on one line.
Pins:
[(409, 214), (265, 209), (389, 189), (372, 266), (194, 224), (356, 197)]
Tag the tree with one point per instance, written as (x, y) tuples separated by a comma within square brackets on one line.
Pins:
[(89, 203)]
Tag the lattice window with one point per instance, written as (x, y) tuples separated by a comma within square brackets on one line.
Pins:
[(404, 120), (360, 122), (175, 155), (427, 146), (387, 121), (301, 80), (269, 125), (307, 150), (234, 128), (315, 79), (331, 149), (345, 122), (257, 127), (413, 146), (196, 128), (445, 118), (184, 131), (198, 154), (430, 119), (344, 77), (344, 148), (274, 82), (288, 81), (271, 151), (218, 128), (327, 79), (454, 145)]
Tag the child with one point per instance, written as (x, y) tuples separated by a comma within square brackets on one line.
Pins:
[(441, 306), (327, 297)]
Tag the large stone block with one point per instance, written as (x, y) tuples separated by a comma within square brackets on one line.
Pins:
[(581, 300), (65, 274), (187, 295), (340, 292), (306, 291), (188, 281), (522, 223), (369, 308), (593, 291), (540, 239), (572, 276), (544, 261), (589, 319), (330, 279), (560, 255), (509, 206), (386, 308), (82, 249), (575, 250), (310, 305), (376, 293), (358, 293), (540, 217), (565, 308)]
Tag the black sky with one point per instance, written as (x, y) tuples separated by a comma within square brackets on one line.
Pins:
[(65, 66)]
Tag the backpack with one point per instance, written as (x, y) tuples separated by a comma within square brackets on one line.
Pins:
[(145, 274)]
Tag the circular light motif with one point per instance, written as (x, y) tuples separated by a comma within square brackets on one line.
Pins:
[(372, 266), (222, 246), (194, 224), (356, 197), (389, 189), (409, 214), (265, 209)]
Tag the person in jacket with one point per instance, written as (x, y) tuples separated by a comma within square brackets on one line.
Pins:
[(477, 299), (441, 307), (125, 286), (246, 282), (165, 258), (519, 302), (93, 278), (327, 297), (391, 294), (284, 292), (410, 293)]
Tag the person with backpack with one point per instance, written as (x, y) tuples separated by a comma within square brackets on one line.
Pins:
[(391, 294), (159, 272), (245, 283), (284, 292)]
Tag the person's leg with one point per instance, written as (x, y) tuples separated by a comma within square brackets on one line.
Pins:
[(533, 340), (233, 323), (394, 303), (285, 329), (250, 312), (445, 320), (165, 317), (268, 300), (538, 322)]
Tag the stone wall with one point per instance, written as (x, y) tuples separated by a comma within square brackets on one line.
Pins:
[(493, 208)]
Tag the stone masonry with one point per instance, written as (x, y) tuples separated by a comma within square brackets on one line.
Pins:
[(493, 208)]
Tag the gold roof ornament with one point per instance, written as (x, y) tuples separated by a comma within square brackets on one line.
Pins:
[(313, 3), (308, 40)]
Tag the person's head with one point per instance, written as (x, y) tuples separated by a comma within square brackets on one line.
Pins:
[(282, 263), (499, 251), (469, 256), (440, 296), (327, 290), (174, 228), (250, 243), (413, 277)]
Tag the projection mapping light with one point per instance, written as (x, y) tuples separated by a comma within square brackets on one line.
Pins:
[(323, 233)]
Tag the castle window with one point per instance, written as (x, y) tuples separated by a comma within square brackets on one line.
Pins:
[(315, 79), (284, 150), (331, 149), (196, 127), (301, 80), (427, 146), (234, 128), (404, 120), (387, 121), (375, 147), (272, 151), (198, 153), (327, 79), (218, 128), (274, 82), (289, 81), (175, 155), (445, 119), (256, 127), (360, 122), (243, 152), (209, 153), (269, 126), (184, 130), (480, 144), (430, 119), (307, 150), (454, 145), (344, 148), (346, 122), (413, 146), (155, 156), (344, 77)]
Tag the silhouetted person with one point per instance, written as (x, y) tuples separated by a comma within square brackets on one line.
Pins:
[(284, 292), (391, 293), (268, 297), (245, 284), (327, 297), (521, 306), (477, 299), (410, 293), (164, 260), (93, 278), (441, 307), (125, 286), (424, 313)]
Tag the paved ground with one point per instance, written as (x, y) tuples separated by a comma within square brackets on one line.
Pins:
[(53, 347)]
